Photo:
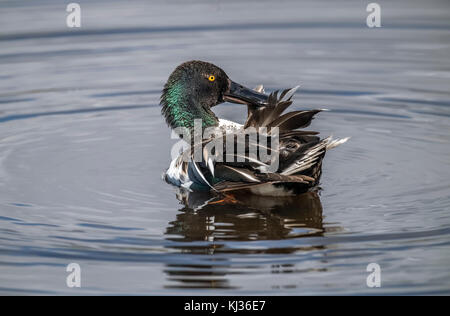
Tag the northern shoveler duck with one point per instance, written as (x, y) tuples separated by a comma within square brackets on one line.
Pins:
[(193, 89)]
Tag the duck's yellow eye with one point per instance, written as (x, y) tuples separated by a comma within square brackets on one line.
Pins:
[(211, 78)]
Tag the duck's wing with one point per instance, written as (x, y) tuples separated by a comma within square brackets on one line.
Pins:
[(299, 152), (299, 155), (238, 178), (300, 160)]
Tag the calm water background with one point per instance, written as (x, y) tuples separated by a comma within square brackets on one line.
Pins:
[(83, 147)]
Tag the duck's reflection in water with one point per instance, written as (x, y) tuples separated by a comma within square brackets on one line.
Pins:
[(218, 229)]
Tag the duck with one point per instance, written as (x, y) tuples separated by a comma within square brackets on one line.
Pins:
[(192, 90)]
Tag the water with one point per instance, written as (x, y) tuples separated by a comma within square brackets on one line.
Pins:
[(83, 147)]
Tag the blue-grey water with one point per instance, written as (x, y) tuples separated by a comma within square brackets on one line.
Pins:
[(83, 147)]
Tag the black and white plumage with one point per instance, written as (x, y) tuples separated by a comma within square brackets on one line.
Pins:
[(300, 154)]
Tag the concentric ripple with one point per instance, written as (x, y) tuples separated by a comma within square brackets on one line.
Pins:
[(83, 147)]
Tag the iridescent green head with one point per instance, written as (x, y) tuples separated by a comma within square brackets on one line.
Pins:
[(194, 88)]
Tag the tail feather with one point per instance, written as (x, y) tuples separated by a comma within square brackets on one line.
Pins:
[(293, 120), (336, 142), (263, 116)]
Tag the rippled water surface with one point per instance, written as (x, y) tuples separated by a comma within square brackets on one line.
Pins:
[(83, 147)]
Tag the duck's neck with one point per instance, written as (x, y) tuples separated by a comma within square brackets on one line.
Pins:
[(181, 109)]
